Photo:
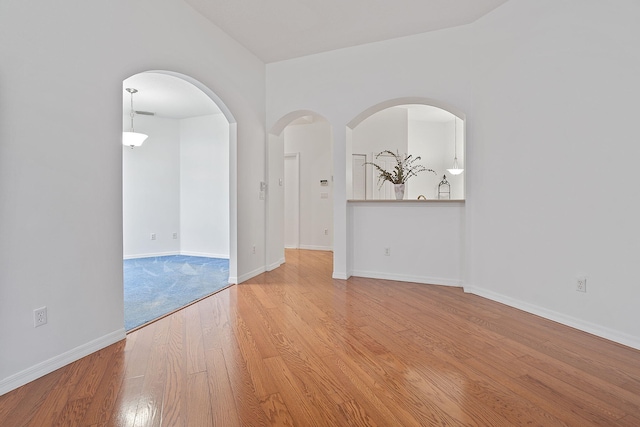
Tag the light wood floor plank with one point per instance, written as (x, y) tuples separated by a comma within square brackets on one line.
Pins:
[(293, 347)]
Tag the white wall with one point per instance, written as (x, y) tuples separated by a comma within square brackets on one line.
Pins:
[(313, 142), (432, 156), (275, 213), (177, 182), (552, 201), (204, 186), (422, 254), (61, 179), (384, 130), (540, 84), (151, 189), (437, 154)]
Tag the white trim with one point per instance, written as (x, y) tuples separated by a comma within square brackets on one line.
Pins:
[(204, 254), (316, 248), (591, 328), (340, 275), (275, 265), (151, 255), (43, 368), (406, 278), (250, 275), (296, 207), (186, 253)]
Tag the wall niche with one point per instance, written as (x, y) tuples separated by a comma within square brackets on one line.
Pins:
[(434, 134)]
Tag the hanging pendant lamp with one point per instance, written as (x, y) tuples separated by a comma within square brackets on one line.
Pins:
[(455, 169), (131, 138)]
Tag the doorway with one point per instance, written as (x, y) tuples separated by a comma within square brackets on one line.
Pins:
[(176, 189), (311, 136)]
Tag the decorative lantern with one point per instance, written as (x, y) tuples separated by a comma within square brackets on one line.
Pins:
[(444, 189)]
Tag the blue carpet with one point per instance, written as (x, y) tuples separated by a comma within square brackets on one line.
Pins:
[(156, 286)]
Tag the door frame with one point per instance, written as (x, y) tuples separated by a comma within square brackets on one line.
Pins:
[(296, 202)]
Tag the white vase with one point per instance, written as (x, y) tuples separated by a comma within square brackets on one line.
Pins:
[(399, 189)]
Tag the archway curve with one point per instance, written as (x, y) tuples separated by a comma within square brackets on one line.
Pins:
[(404, 101), (285, 120), (205, 89)]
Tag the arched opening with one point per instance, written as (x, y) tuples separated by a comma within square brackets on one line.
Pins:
[(178, 228), (413, 239), (406, 126), (300, 170)]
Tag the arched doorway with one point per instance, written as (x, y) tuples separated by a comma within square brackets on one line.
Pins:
[(300, 171), (177, 200)]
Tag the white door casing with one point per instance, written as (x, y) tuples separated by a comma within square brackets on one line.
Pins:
[(292, 200)]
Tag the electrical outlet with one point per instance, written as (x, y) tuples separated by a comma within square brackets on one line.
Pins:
[(387, 251), (153, 236), (581, 284), (253, 249), (326, 231), (175, 235), (39, 317)]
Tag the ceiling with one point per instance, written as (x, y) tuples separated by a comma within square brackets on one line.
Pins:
[(166, 96), (277, 30)]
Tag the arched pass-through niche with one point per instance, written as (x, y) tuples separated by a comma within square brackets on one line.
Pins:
[(417, 126), (413, 239)]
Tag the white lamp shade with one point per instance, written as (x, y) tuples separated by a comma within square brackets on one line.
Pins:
[(133, 139), (455, 169)]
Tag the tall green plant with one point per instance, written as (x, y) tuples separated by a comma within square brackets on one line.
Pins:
[(405, 168)]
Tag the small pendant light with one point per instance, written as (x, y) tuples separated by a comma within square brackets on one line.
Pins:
[(132, 139), (455, 169)]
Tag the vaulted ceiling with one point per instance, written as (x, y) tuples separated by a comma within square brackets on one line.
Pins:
[(277, 30)]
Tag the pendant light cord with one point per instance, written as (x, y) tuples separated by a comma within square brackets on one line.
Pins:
[(455, 138), (131, 91)]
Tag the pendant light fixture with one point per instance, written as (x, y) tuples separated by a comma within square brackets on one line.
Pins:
[(131, 138), (455, 169)]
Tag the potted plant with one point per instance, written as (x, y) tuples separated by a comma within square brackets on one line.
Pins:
[(405, 168)]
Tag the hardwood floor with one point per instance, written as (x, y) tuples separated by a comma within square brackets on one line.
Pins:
[(295, 348)]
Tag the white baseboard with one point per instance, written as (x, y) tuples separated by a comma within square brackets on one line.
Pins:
[(204, 254), (340, 275), (407, 278), (57, 362), (591, 328), (151, 255), (275, 265), (250, 275), (186, 253), (316, 248)]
